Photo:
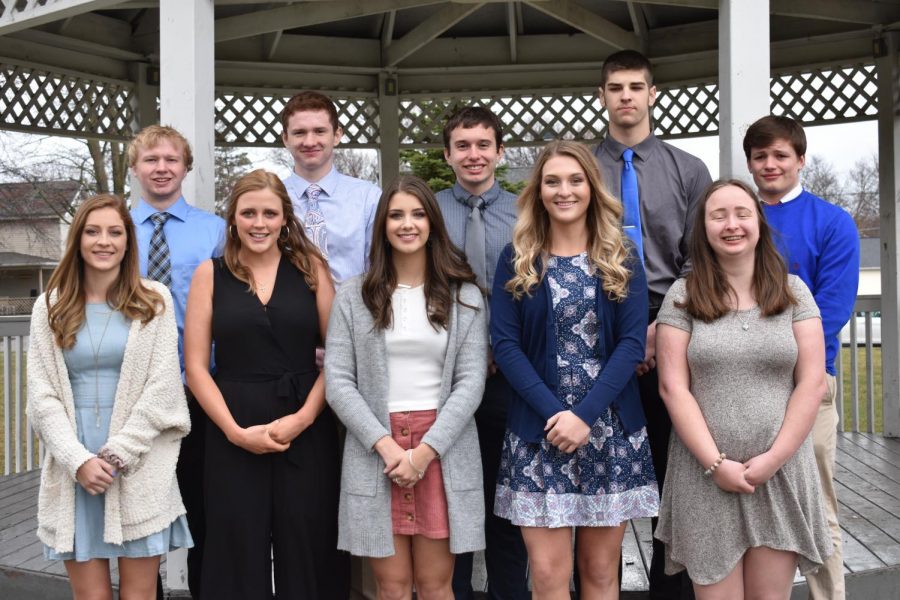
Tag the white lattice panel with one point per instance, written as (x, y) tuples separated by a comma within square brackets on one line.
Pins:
[(827, 95), (40, 101), (254, 119)]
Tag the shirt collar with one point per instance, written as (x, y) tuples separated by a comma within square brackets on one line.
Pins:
[(328, 183), (792, 195), (490, 196), (643, 150), (144, 211)]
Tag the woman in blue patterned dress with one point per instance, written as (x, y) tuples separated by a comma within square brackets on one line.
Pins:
[(568, 320)]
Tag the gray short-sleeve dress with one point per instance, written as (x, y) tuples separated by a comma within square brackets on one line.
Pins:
[(742, 375)]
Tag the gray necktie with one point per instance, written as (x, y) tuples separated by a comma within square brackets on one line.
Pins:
[(475, 239), (314, 221)]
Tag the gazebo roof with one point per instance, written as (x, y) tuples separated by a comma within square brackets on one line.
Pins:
[(534, 62), (439, 45)]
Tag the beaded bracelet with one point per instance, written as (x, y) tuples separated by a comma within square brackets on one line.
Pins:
[(418, 471), (712, 468)]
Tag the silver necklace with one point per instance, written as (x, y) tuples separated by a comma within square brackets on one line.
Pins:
[(745, 325), (96, 354)]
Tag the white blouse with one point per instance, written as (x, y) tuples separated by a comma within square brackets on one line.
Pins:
[(415, 353)]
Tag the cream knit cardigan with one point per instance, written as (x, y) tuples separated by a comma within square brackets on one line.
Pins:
[(149, 418)]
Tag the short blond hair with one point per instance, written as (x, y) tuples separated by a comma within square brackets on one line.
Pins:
[(151, 136)]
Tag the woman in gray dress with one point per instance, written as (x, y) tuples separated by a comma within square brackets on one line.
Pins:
[(740, 351)]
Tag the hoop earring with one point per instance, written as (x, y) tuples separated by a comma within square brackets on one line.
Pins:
[(285, 232), (232, 231)]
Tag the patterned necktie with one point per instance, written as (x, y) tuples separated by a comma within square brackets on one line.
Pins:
[(475, 239), (631, 220), (314, 221), (159, 267)]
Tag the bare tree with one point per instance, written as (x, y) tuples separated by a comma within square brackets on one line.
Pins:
[(862, 195), (231, 164), (821, 179), (362, 164)]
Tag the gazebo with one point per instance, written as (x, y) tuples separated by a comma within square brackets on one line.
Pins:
[(221, 70)]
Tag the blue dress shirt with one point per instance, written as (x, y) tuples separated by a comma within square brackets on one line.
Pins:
[(193, 235), (348, 205)]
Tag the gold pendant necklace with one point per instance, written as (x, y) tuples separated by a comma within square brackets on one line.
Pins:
[(96, 354)]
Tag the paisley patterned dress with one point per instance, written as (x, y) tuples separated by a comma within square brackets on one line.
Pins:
[(605, 482)]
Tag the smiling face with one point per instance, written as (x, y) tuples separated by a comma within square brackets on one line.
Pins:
[(627, 96), (407, 226), (258, 220), (103, 240), (473, 155), (732, 223), (311, 138), (160, 170), (775, 169), (565, 191)]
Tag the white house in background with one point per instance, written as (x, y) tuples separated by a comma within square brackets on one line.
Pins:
[(869, 267), (34, 222)]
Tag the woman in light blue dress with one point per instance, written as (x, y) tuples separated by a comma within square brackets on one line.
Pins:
[(95, 318)]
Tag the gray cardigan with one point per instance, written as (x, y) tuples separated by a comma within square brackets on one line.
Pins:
[(356, 388)]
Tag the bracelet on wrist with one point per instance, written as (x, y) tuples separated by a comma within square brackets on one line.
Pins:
[(712, 468), (418, 471)]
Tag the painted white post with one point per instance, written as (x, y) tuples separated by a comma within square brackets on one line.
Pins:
[(187, 88), (743, 78), (147, 114), (389, 119), (187, 103), (888, 67)]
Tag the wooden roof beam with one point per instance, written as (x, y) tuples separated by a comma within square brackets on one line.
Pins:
[(34, 14), (304, 15), (427, 30), (592, 24)]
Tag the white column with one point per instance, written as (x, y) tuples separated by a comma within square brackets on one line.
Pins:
[(389, 119), (743, 78), (187, 103), (888, 172), (187, 88)]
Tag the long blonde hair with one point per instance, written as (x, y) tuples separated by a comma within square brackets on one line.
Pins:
[(292, 241), (66, 285), (531, 236)]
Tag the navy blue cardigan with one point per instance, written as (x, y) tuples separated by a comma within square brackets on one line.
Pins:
[(523, 337)]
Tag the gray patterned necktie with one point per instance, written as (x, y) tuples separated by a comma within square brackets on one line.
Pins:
[(314, 221), (475, 239), (159, 266)]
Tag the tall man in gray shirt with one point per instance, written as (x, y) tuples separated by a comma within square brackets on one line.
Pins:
[(670, 183), (480, 216)]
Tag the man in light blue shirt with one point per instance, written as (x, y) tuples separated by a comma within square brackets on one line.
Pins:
[(346, 205), (173, 238)]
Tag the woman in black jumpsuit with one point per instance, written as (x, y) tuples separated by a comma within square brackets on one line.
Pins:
[(268, 494)]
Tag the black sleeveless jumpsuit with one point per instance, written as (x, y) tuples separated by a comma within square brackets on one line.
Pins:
[(278, 506)]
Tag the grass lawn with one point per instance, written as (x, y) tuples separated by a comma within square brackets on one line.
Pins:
[(862, 388)]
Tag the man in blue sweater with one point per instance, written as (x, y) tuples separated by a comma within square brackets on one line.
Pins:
[(820, 244)]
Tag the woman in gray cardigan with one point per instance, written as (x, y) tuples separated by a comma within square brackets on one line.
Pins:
[(405, 368)]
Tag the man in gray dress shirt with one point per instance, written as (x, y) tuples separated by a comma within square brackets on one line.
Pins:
[(480, 217), (670, 184)]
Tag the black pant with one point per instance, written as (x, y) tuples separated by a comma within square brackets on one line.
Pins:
[(277, 509), (505, 555), (190, 481), (659, 427)]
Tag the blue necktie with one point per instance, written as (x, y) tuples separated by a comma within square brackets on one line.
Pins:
[(159, 266), (631, 220)]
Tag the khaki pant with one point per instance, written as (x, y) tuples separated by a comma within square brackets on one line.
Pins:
[(828, 582)]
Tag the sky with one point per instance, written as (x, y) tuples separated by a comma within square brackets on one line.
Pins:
[(841, 145)]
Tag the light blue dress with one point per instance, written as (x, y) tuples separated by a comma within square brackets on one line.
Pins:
[(94, 390)]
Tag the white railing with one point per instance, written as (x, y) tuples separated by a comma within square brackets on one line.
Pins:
[(19, 442), (861, 336), (20, 449)]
